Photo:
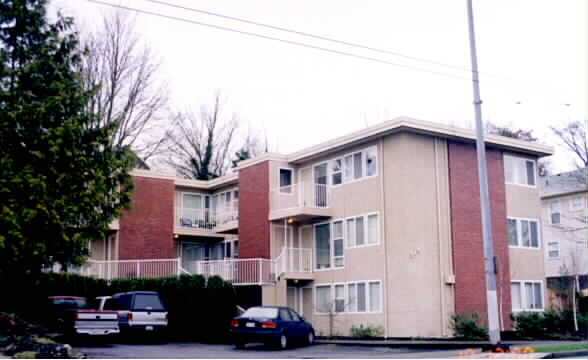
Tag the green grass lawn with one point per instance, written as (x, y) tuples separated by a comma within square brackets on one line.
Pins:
[(560, 348)]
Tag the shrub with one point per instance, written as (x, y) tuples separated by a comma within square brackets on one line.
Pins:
[(192, 303), (532, 324), (467, 326), (367, 331)]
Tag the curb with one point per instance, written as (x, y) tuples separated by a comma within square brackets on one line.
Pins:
[(567, 354), (416, 344)]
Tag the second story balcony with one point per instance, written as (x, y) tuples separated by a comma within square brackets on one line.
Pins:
[(208, 221), (301, 200)]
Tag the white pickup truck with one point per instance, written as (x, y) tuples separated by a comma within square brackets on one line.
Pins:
[(72, 315), (141, 311)]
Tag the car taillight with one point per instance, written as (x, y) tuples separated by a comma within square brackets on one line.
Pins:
[(234, 323), (268, 325), (130, 316)]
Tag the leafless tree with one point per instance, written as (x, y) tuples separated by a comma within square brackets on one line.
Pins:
[(521, 134), (128, 93), (573, 138), (199, 146)]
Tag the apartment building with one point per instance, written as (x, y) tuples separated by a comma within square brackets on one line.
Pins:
[(381, 227), (563, 197)]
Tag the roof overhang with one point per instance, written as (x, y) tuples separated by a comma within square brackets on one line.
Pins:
[(405, 124)]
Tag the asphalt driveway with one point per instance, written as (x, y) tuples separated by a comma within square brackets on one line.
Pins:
[(186, 350)]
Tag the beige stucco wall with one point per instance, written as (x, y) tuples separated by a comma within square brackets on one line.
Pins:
[(524, 202), (418, 236), (413, 259)]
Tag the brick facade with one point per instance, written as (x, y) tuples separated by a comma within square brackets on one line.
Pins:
[(146, 230), (468, 251), (254, 226)]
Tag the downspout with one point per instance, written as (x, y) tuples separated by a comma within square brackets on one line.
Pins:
[(441, 273), (384, 240)]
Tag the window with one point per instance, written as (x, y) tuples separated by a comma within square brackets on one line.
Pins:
[(192, 207), (285, 315), (322, 246), (323, 299), (348, 169), (364, 297), (357, 166), (294, 315), (523, 233), (553, 249), (337, 172), (374, 295), (555, 210), (370, 162), (527, 295), (339, 298), (338, 255), (577, 203), (519, 171), (286, 181), (362, 230)]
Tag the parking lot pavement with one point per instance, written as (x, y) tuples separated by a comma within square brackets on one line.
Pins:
[(214, 351)]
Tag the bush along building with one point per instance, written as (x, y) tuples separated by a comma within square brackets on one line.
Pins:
[(379, 229), (563, 197)]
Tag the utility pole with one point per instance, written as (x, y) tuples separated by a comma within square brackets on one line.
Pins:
[(489, 259)]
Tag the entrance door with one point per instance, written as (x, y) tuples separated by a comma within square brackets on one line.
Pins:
[(307, 304), (294, 298)]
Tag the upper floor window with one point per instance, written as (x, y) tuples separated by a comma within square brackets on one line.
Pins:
[(354, 166), (329, 247), (553, 249), (520, 171), (555, 212), (577, 203), (523, 233), (286, 180), (362, 230)]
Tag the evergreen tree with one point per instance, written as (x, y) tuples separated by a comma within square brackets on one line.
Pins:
[(61, 184)]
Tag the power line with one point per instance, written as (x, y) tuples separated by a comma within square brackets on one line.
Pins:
[(324, 38), (290, 42)]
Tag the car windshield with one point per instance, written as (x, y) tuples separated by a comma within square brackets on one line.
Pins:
[(261, 312)]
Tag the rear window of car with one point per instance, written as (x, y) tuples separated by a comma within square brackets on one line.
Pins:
[(67, 304), (148, 302), (260, 312)]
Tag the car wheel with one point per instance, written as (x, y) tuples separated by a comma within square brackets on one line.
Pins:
[(283, 343), (310, 338)]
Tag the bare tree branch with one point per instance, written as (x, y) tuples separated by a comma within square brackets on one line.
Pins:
[(573, 138), (129, 95), (198, 146)]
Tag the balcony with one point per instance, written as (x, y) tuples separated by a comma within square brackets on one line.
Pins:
[(295, 264), (237, 271), (207, 222), (302, 201)]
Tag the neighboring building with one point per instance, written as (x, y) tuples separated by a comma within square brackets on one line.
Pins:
[(563, 197), (381, 227)]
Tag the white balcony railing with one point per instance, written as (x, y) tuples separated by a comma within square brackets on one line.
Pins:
[(238, 271), (209, 219), (130, 269), (294, 260), (303, 194)]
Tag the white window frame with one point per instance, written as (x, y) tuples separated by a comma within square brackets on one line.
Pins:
[(333, 238), (519, 244), (315, 298), (367, 297), (344, 178), (551, 212), (334, 293), (331, 245), (293, 182), (580, 206), (523, 160), (330, 173), (365, 231), (556, 247), (523, 295)]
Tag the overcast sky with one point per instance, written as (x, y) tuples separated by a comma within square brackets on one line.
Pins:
[(532, 59)]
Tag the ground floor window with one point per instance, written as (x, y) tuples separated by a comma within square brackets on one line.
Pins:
[(351, 297), (527, 295)]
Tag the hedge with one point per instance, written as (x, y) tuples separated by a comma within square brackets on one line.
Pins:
[(551, 324), (197, 309)]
